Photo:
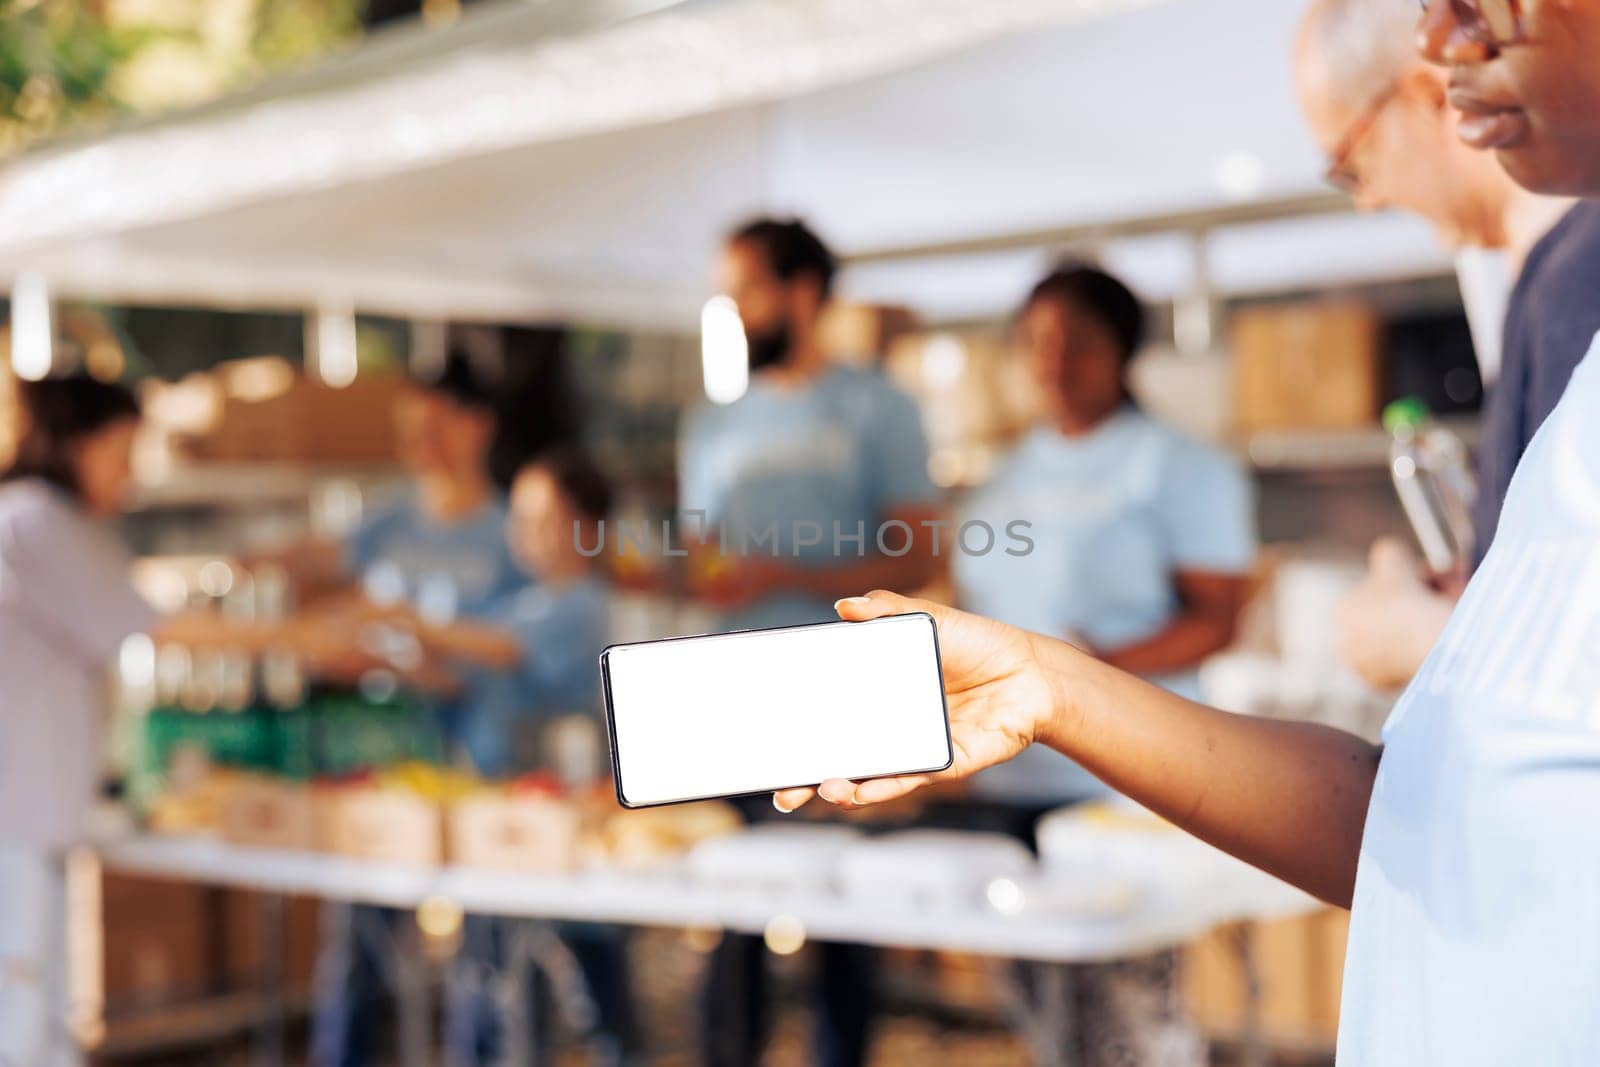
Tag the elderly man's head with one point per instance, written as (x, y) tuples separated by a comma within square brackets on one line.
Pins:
[(1525, 75), (1383, 117)]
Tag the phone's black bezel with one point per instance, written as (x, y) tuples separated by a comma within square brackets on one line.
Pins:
[(611, 718)]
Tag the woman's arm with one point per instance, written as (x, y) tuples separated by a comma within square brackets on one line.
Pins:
[(1290, 798), (208, 630), (460, 640), (1207, 618), (480, 643)]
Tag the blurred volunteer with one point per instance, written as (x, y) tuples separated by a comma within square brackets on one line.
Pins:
[(1465, 844), (825, 456), (531, 659), (65, 609), (442, 548), (1384, 117), (531, 655), (1139, 543), (812, 481), (1140, 540)]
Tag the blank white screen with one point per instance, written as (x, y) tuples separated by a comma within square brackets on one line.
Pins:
[(745, 713)]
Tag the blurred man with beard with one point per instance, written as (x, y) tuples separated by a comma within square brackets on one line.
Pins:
[(810, 485)]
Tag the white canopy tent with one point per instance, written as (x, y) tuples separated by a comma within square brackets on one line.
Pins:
[(579, 160)]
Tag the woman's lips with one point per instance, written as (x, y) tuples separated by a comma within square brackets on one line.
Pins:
[(1488, 126), (1492, 129)]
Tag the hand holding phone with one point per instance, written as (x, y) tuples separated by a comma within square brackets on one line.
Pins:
[(762, 710)]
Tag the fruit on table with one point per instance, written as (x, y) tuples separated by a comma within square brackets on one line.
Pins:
[(429, 781), (633, 839), (536, 784)]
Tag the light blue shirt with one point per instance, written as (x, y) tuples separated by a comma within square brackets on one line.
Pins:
[(1111, 516), (561, 631), (467, 561), (463, 569), (1475, 931), (807, 474)]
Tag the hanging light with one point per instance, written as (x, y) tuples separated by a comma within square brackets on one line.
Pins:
[(332, 342), (1194, 313), (724, 353), (944, 361), (1240, 175), (32, 333)]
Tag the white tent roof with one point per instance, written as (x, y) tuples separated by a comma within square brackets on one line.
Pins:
[(545, 160)]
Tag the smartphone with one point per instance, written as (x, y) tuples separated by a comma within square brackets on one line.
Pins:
[(692, 718)]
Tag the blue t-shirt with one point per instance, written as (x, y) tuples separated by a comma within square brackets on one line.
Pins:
[(1111, 515), (1551, 317), (807, 474), (1475, 929), (561, 630), (465, 566), (459, 569)]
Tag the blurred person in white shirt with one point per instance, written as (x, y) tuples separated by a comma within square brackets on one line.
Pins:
[(1383, 116), (66, 607)]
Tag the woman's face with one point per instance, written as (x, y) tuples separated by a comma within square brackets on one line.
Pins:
[(437, 436), (1534, 101), (541, 533), (103, 462), (1075, 362)]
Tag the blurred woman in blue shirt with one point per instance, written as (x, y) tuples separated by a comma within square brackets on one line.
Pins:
[(1138, 546), (531, 658), (1142, 539)]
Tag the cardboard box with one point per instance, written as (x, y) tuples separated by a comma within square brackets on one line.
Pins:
[(536, 835), (298, 939), (381, 824), (270, 813), (353, 425), (261, 411), (1300, 964), (861, 334), (1306, 366), (159, 940), (641, 839)]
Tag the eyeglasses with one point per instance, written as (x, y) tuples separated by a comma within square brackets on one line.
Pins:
[(1488, 22), (1341, 174)]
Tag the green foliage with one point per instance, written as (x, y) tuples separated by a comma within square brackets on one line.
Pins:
[(288, 31), (59, 59)]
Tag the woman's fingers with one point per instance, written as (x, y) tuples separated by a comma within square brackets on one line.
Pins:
[(881, 602), (843, 793), (871, 605), (878, 790), (787, 800)]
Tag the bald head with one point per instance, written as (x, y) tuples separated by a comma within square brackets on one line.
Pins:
[(1352, 50), (1381, 114)]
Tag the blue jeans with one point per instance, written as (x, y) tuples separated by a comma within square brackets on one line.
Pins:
[(734, 1003), (579, 969), (352, 980)]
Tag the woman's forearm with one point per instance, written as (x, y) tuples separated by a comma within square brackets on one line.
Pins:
[(1290, 798), (478, 643), (1179, 646)]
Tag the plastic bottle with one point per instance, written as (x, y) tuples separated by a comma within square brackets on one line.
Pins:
[(1432, 474)]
